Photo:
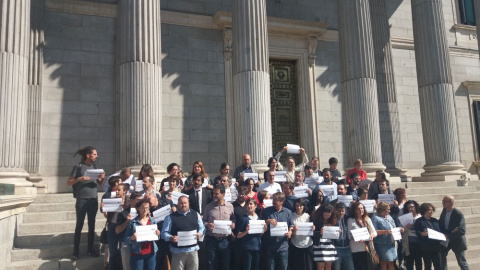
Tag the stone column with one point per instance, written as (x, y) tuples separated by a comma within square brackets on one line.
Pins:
[(437, 108), (140, 83), (386, 91), (35, 74), (251, 81), (359, 87), (14, 53), (477, 20)]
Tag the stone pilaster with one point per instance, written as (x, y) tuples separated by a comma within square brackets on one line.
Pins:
[(35, 74), (386, 91), (251, 81), (477, 21), (140, 83), (440, 136), (359, 87), (14, 54)]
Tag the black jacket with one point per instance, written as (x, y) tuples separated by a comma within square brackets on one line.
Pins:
[(206, 199), (457, 241)]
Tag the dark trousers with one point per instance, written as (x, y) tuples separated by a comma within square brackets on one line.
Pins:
[(218, 250), (360, 260), (112, 246), (431, 256), (461, 260), (163, 249), (85, 207), (300, 258), (414, 257), (236, 256), (251, 259)]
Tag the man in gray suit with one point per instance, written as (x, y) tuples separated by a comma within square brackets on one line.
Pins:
[(452, 224)]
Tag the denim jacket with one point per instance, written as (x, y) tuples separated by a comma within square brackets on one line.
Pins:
[(131, 229), (381, 223)]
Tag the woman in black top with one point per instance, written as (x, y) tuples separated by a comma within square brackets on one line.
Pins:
[(430, 248)]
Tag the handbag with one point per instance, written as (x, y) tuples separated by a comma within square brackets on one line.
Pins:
[(372, 254), (104, 235)]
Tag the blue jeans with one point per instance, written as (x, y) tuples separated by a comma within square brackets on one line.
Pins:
[(250, 259), (277, 260), (112, 246), (345, 258), (143, 262), (218, 250)]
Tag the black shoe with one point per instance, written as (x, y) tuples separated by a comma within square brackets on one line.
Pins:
[(74, 257), (92, 253)]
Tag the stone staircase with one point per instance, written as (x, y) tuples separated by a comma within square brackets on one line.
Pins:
[(467, 200), (44, 239)]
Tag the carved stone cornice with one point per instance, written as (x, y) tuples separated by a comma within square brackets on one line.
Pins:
[(82, 7), (471, 85), (312, 50), (14, 204), (278, 26)]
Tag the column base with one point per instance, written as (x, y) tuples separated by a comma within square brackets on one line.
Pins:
[(449, 171), (16, 177), (396, 171), (373, 167)]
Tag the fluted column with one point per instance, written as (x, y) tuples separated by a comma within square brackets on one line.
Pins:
[(386, 91), (140, 82), (251, 80), (359, 87), (477, 21), (440, 138), (14, 52), (35, 74)]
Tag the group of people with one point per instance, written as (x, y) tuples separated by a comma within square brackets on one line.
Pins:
[(241, 223)]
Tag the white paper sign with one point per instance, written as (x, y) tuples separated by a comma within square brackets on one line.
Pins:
[(293, 149), (301, 192), (133, 212), (256, 226), (138, 185), (228, 195), (112, 205), (396, 234), (268, 202), (176, 195), (388, 198), (161, 213), (346, 199), (369, 205), (280, 230), (254, 176), (233, 185), (280, 176), (187, 238), (406, 219), (113, 194), (361, 234), (305, 228), (222, 227), (328, 190), (93, 173), (146, 233), (311, 182), (331, 232), (183, 180), (432, 234)]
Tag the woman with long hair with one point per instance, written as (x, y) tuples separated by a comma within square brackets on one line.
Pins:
[(301, 248), (316, 201), (172, 170), (272, 166), (359, 219), (145, 171), (410, 242), (197, 168), (324, 252)]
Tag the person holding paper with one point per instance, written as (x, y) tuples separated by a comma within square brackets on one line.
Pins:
[(250, 244), (384, 188), (148, 184), (172, 185), (353, 187), (199, 197), (357, 168), (336, 175), (301, 248), (224, 170), (272, 165), (290, 166), (327, 181), (197, 168), (172, 170), (315, 167), (324, 252), (218, 245), (342, 244), (85, 191), (270, 186), (142, 253), (410, 242), (244, 168), (250, 184), (430, 247), (452, 224), (373, 188), (316, 201), (384, 244), (184, 252), (359, 219), (239, 210), (290, 199), (262, 195), (277, 246)]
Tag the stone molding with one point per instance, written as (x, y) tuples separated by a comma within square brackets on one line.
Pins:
[(232, 158), (14, 204), (82, 7)]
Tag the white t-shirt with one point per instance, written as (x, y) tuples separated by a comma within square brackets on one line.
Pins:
[(270, 188), (301, 241)]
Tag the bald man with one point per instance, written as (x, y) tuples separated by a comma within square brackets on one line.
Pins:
[(244, 168), (452, 224)]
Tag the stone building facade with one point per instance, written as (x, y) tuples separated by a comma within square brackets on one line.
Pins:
[(394, 83)]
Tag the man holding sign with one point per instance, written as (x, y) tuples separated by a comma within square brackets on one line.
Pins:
[(182, 229), (277, 246), (218, 245), (290, 166)]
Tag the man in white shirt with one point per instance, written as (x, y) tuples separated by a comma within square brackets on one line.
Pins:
[(290, 166), (270, 186)]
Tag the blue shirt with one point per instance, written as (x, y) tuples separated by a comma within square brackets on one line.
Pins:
[(277, 243), (289, 202), (343, 240), (167, 228)]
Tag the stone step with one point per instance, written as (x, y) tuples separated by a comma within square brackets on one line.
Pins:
[(50, 207), (48, 252), (58, 264), (458, 203), (473, 264), (432, 198), (473, 239), (51, 239), (410, 185), (55, 198), (34, 217), (471, 253), (439, 190), (58, 227)]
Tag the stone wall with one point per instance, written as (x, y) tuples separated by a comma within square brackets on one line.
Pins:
[(7, 234)]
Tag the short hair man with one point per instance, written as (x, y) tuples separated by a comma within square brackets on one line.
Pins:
[(128, 177), (353, 187), (277, 246), (183, 220), (270, 186), (148, 184), (218, 246), (333, 162), (198, 197), (244, 167), (327, 181), (452, 224), (290, 166), (289, 202)]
